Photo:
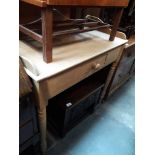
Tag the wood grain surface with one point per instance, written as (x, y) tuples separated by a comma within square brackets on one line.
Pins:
[(42, 3), (68, 52)]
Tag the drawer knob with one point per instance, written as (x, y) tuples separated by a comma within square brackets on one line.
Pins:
[(96, 66)]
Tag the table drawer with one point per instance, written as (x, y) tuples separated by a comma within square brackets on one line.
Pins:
[(112, 56), (62, 81)]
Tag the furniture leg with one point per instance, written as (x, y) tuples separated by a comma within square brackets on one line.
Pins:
[(41, 107), (110, 76), (42, 126), (47, 30), (117, 18)]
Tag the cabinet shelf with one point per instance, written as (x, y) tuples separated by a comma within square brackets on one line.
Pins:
[(65, 110), (81, 90)]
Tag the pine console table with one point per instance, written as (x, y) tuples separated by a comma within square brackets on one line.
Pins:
[(75, 59), (47, 32)]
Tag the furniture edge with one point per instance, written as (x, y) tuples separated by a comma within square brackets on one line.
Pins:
[(39, 3)]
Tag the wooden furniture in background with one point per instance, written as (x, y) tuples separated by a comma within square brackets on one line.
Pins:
[(25, 86), (127, 23), (28, 125), (125, 69), (78, 57), (47, 26)]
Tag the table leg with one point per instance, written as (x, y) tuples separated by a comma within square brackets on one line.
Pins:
[(111, 75), (41, 108), (117, 18), (42, 126), (47, 29)]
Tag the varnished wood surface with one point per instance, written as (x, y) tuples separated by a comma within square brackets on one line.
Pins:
[(89, 2), (68, 52), (117, 17), (42, 3), (47, 30)]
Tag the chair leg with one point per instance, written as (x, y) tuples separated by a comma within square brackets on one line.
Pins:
[(117, 18), (47, 30)]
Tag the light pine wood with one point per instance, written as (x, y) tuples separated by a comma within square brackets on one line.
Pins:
[(75, 58), (74, 75), (68, 52), (112, 56), (111, 75), (41, 98)]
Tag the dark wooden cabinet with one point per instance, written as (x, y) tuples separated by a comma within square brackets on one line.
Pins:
[(71, 106), (125, 69), (28, 127)]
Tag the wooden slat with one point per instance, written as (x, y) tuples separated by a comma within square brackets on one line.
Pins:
[(31, 33), (72, 24), (74, 31)]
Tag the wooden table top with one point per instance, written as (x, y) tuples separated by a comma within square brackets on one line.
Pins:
[(43, 3), (67, 52)]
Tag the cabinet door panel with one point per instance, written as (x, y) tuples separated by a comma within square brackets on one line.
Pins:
[(124, 68)]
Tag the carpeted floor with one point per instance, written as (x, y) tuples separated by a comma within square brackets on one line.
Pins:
[(108, 131)]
